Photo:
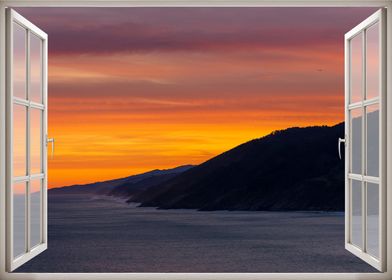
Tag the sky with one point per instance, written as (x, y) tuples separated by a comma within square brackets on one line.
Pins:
[(136, 89)]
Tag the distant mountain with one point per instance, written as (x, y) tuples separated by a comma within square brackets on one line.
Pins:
[(142, 183), (123, 186), (292, 169)]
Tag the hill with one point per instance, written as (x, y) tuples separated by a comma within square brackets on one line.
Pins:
[(292, 169), (123, 186)]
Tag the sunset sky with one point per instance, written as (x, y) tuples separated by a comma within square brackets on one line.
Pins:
[(135, 89)]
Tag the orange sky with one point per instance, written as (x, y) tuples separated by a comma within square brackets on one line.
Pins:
[(142, 89)]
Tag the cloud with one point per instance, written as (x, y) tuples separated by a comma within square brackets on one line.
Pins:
[(139, 30)]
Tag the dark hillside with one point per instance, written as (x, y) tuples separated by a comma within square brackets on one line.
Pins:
[(292, 169)]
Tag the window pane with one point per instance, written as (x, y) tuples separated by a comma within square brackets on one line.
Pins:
[(356, 69), (35, 200), (35, 138), (372, 62), (373, 219), (372, 140), (356, 213), (19, 140), (19, 217), (356, 140), (19, 61), (36, 69)]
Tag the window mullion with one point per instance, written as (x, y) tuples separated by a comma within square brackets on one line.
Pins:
[(28, 229), (363, 142)]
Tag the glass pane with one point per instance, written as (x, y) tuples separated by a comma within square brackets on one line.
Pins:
[(35, 200), (19, 140), (372, 140), (19, 61), (372, 62), (356, 140), (19, 217), (373, 219), (35, 138), (36, 69), (356, 213), (356, 69)]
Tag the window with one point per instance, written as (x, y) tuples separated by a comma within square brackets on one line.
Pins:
[(25, 163), (365, 118), (27, 173)]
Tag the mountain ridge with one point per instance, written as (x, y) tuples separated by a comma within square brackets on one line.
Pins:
[(106, 187), (263, 174), (290, 169)]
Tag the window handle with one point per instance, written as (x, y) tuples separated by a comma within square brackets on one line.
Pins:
[(340, 141), (50, 140)]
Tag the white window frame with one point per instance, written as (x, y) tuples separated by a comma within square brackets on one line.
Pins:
[(31, 252), (378, 17), (4, 275)]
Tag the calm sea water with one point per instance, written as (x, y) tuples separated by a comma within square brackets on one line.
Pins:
[(107, 235)]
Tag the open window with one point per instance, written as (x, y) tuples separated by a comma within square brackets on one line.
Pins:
[(365, 122), (26, 140), (365, 140)]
